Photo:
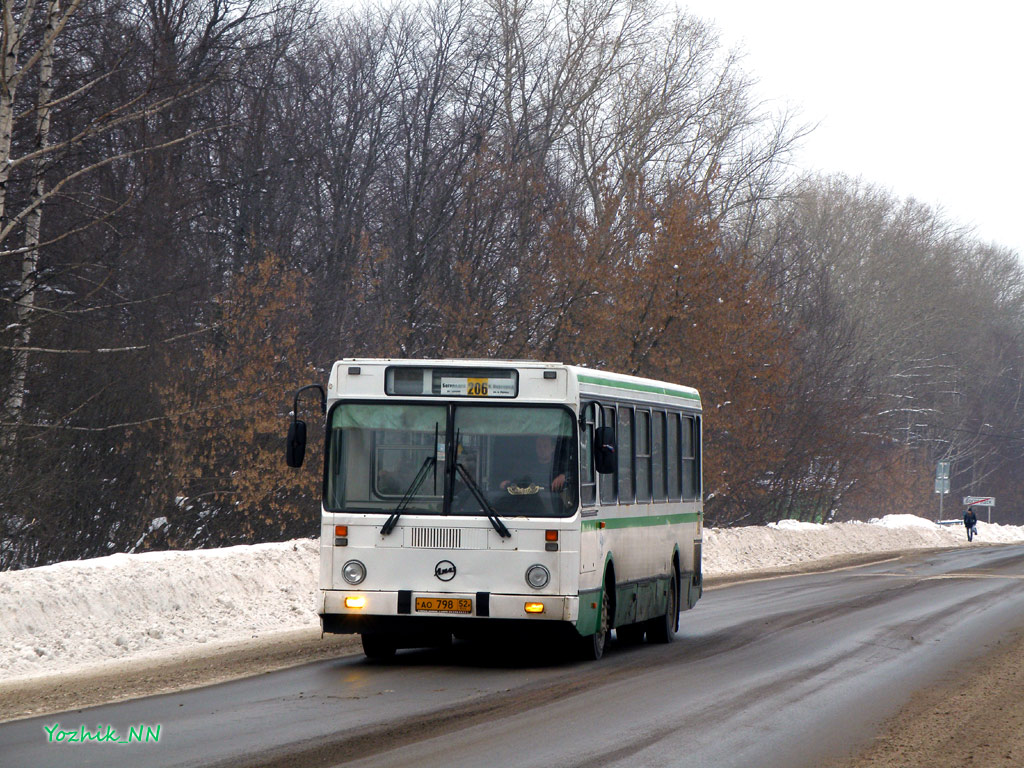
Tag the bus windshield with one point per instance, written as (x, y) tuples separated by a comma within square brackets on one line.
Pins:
[(451, 459)]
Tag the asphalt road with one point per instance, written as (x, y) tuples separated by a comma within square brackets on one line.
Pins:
[(790, 672)]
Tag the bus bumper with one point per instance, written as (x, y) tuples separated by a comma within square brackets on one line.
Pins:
[(391, 609)]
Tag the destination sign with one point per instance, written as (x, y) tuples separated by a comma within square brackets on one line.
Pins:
[(438, 381), (477, 387)]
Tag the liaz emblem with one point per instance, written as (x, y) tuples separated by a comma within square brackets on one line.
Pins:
[(445, 570)]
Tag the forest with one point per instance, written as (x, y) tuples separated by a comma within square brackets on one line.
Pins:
[(204, 203)]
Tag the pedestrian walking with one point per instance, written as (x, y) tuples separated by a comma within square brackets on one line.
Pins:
[(971, 523)]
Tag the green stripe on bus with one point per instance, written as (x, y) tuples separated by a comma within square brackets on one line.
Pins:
[(639, 387), (641, 522)]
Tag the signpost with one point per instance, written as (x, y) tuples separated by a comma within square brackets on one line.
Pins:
[(981, 501), (941, 483)]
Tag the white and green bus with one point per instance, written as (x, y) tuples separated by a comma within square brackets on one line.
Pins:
[(467, 497)]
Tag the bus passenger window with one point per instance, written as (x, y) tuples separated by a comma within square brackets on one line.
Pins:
[(588, 486), (607, 481), (643, 456), (624, 443), (672, 462), (698, 485), (689, 461), (658, 491)]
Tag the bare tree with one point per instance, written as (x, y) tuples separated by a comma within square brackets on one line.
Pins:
[(94, 96), (923, 303)]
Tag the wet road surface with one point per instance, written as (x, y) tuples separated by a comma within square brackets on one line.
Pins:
[(782, 672)]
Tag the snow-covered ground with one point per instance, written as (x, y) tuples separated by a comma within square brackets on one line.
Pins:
[(90, 614)]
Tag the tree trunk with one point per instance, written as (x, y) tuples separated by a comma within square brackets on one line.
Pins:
[(14, 404)]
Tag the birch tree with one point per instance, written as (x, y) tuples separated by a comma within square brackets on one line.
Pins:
[(35, 169), (94, 95), (13, 72)]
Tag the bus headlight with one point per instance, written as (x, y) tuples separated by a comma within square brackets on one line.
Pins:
[(537, 576), (353, 572)]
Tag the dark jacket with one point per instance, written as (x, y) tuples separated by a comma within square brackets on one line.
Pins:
[(970, 519)]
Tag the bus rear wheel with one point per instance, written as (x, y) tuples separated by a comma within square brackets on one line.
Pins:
[(662, 629), (378, 647)]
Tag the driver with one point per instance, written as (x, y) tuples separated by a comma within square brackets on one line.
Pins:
[(544, 463)]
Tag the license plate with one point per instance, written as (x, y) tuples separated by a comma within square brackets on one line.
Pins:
[(444, 604)]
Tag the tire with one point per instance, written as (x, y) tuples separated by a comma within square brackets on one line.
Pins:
[(378, 647), (631, 634), (593, 646), (663, 628)]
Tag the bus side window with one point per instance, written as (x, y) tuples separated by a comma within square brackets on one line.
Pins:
[(689, 461), (643, 455), (672, 461), (588, 485), (608, 481), (658, 491), (698, 484), (624, 446)]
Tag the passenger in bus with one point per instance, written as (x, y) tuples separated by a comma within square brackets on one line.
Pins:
[(546, 464), (387, 483)]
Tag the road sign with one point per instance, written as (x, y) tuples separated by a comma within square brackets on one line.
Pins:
[(942, 485), (979, 501), (942, 470)]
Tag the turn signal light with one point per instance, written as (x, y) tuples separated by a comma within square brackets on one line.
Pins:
[(357, 601), (534, 607), (341, 530), (550, 535)]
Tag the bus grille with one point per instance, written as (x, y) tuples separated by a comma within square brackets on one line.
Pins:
[(435, 538)]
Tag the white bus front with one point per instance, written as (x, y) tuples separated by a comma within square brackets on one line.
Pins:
[(450, 505)]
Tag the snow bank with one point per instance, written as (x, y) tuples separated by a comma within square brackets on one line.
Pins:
[(77, 613), (790, 542), (80, 614)]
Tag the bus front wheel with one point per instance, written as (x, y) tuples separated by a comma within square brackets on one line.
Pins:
[(593, 645), (378, 647), (631, 634)]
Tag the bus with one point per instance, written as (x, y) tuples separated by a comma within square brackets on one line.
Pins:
[(473, 498)]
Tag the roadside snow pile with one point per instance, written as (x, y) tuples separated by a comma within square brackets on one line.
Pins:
[(906, 521), (790, 542), (794, 525), (82, 614), (76, 613)]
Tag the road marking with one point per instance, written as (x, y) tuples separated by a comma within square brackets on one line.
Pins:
[(940, 576), (973, 576)]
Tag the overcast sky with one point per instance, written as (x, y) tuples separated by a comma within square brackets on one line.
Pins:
[(925, 99)]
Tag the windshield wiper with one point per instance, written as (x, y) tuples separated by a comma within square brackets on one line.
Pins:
[(389, 525), (479, 496)]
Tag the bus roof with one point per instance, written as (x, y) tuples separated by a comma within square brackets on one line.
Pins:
[(594, 382), (576, 381)]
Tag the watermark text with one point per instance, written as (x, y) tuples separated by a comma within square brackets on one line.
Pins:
[(108, 734)]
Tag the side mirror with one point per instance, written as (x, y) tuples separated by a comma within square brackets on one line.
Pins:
[(295, 448), (604, 450)]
